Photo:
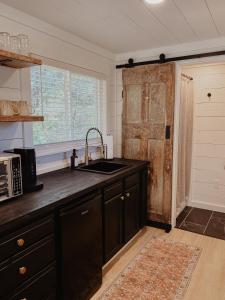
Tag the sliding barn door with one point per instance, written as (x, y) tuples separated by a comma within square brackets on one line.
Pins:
[(148, 95)]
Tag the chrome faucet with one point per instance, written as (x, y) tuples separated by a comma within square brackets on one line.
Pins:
[(86, 144)]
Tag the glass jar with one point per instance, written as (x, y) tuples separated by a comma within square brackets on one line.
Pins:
[(4, 41), (14, 43), (24, 44)]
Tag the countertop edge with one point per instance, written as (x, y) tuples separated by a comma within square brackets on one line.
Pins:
[(51, 207)]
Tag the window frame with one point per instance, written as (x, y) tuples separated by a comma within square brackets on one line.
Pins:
[(61, 147)]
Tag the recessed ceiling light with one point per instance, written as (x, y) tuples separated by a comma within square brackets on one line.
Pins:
[(153, 1)]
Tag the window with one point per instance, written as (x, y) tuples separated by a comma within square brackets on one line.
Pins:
[(70, 102)]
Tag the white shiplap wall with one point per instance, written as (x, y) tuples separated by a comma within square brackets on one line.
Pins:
[(49, 42), (208, 160), (11, 134), (116, 109)]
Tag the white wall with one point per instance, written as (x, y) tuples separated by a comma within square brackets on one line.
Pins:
[(174, 51), (208, 160), (49, 42), (116, 106)]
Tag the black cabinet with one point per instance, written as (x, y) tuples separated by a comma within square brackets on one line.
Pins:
[(81, 248), (42, 287), (27, 262), (56, 251), (113, 236), (131, 212), (122, 213)]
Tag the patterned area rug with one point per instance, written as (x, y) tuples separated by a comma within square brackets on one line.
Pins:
[(161, 271)]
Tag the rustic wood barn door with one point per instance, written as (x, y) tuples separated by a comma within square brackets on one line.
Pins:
[(148, 105)]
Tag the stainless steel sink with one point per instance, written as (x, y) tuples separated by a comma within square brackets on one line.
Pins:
[(103, 167)]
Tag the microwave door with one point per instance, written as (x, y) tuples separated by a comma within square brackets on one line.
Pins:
[(5, 182)]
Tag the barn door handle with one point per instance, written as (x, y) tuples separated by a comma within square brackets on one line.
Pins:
[(168, 132)]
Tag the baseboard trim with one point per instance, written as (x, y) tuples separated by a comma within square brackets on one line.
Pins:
[(166, 227), (208, 206)]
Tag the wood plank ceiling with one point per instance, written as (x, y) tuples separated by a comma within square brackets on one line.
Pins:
[(130, 25)]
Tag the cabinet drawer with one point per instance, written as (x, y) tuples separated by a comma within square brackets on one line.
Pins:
[(42, 287), (23, 267), (26, 236), (132, 180), (113, 190)]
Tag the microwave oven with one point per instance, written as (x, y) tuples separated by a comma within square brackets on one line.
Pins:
[(10, 176)]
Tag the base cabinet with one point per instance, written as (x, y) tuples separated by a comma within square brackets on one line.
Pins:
[(122, 213), (131, 212), (59, 255), (113, 236), (43, 287)]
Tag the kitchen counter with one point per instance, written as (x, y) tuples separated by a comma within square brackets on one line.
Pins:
[(60, 188)]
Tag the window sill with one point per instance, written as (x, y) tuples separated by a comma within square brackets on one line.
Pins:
[(52, 149)]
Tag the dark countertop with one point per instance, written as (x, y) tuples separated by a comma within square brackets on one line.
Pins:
[(60, 188)]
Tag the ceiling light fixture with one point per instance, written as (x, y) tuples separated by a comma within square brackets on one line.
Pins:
[(153, 1)]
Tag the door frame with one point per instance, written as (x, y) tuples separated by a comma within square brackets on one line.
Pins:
[(178, 71)]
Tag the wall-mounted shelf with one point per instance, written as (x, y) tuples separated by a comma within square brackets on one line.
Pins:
[(21, 118), (17, 61)]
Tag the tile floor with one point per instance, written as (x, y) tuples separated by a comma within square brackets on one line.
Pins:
[(202, 221)]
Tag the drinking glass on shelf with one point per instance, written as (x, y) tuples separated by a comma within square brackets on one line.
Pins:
[(24, 44), (14, 43), (4, 40)]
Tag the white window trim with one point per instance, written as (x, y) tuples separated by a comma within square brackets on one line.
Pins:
[(61, 147)]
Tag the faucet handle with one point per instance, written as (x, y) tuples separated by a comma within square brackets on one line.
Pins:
[(89, 156)]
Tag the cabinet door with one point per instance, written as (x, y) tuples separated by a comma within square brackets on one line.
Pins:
[(131, 212), (81, 249), (112, 226)]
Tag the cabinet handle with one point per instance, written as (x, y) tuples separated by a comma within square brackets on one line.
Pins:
[(20, 242), (84, 212), (127, 195), (22, 270), (122, 198)]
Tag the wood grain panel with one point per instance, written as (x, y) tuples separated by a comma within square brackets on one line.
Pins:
[(150, 110), (14, 60), (156, 157), (133, 106), (132, 148), (146, 131), (21, 118), (157, 103)]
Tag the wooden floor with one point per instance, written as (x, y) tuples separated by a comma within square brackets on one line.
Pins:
[(208, 280)]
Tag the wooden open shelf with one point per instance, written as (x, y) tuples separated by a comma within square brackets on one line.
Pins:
[(17, 61), (21, 118)]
